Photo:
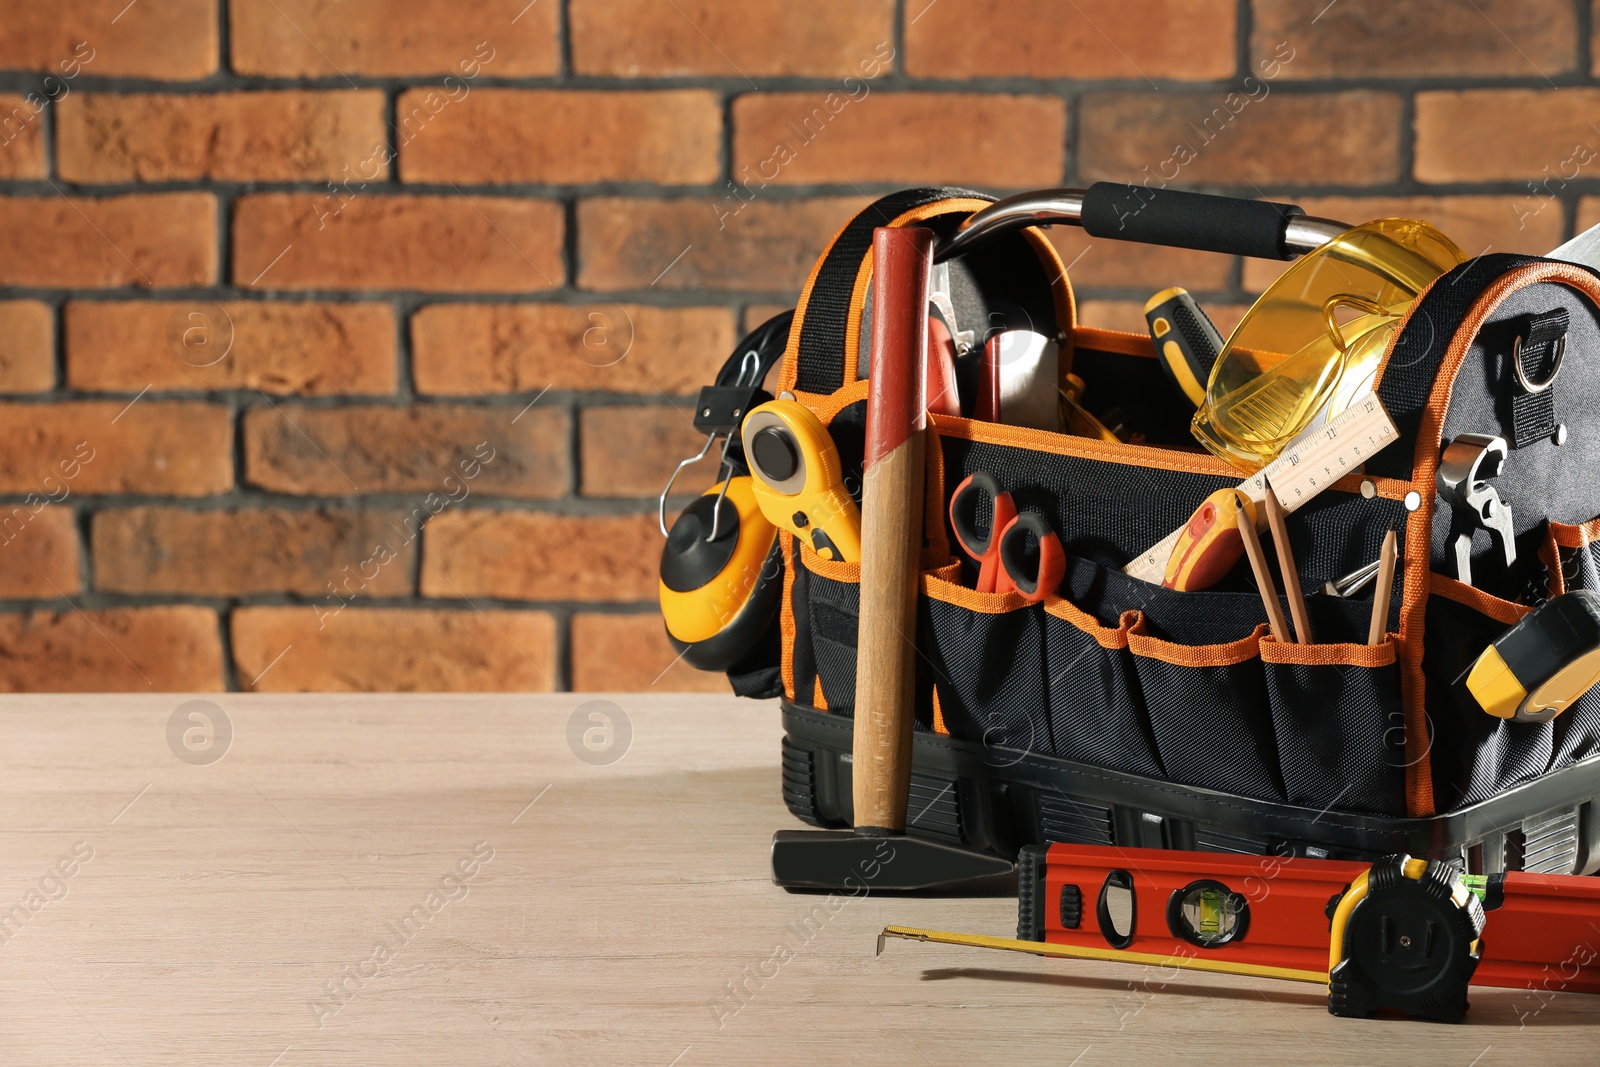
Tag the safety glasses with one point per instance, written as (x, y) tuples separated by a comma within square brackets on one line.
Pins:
[(1312, 343)]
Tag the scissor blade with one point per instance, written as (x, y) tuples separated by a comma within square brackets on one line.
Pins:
[(1584, 249)]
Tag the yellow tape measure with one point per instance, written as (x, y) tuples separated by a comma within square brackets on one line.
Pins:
[(1313, 461)]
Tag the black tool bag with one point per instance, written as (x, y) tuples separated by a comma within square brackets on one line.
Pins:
[(1120, 712)]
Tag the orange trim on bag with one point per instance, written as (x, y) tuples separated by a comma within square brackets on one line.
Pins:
[(837, 570), (1117, 342), (1104, 636), (1581, 535), (1329, 655), (819, 698), (1476, 599), (1417, 583), (1060, 444), (790, 371), (1140, 643), (858, 291), (948, 592), (786, 625), (938, 715), (1066, 303), (1550, 556)]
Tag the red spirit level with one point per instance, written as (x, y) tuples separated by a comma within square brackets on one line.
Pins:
[(1399, 934)]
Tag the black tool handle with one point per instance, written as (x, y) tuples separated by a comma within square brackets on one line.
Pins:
[(1223, 224)]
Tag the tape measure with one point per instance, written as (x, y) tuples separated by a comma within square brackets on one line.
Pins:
[(1314, 461), (1536, 669), (1400, 934)]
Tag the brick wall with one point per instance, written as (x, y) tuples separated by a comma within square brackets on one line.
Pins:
[(344, 344)]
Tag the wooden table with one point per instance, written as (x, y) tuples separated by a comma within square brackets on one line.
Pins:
[(441, 880)]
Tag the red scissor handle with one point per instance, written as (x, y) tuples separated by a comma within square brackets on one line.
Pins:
[(1032, 557), (979, 496)]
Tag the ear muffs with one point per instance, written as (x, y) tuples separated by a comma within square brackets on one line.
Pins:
[(720, 595), (721, 568)]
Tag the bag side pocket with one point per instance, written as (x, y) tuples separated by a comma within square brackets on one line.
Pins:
[(833, 615), (986, 654), (1475, 755), (1339, 721), (1208, 711)]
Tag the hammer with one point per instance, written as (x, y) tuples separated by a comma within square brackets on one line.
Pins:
[(877, 854)]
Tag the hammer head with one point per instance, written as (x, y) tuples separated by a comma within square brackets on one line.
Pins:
[(858, 863)]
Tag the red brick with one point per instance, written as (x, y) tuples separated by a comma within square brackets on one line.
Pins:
[(538, 556), (309, 349), (1135, 39), (175, 40), (449, 451), (1588, 213), (331, 38), (330, 554), (1544, 135), (1478, 224), (696, 243), (1352, 138), (631, 654), (1128, 315), (631, 451), (170, 649), (21, 137), (747, 40), (830, 137), (1108, 264), (95, 447), (756, 314), (268, 136), (27, 355), (563, 137), (38, 550), (1420, 38), (298, 649), (472, 349), (166, 240), (367, 241)]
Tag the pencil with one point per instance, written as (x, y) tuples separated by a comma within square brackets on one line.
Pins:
[(1258, 564), (1380, 597), (1291, 574)]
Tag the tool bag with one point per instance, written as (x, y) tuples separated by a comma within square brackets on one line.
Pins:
[(1122, 712)]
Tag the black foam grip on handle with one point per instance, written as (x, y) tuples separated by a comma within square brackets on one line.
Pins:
[(1222, 224)]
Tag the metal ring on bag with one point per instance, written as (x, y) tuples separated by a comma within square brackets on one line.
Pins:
[(1522, 375)]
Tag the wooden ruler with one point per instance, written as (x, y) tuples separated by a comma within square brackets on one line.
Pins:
[(1311, 463)]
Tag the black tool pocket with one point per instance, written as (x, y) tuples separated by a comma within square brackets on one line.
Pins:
[(1572, 556), (1096, 710), (986, 654), (832, 618), (1208, 711), (1474, 754), (1340, 724)]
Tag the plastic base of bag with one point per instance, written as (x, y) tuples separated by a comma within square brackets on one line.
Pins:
[(998, 800)]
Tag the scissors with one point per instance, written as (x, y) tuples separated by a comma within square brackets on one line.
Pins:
[(1014, 552)]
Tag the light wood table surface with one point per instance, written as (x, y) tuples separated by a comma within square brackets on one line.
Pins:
[(207, 909)]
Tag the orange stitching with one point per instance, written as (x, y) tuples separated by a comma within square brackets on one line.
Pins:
[(1225, 655), (1329, 655), (1105, 636), (1575, 535), (1476, 599)]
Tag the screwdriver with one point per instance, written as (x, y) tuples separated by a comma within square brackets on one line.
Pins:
[(1187, 344)]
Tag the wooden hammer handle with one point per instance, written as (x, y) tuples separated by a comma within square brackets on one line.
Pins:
[(891, 526)]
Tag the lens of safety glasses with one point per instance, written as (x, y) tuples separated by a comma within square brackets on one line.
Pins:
[(1311, 344)]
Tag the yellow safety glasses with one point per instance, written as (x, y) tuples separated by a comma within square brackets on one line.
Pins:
[(1312, 343)]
